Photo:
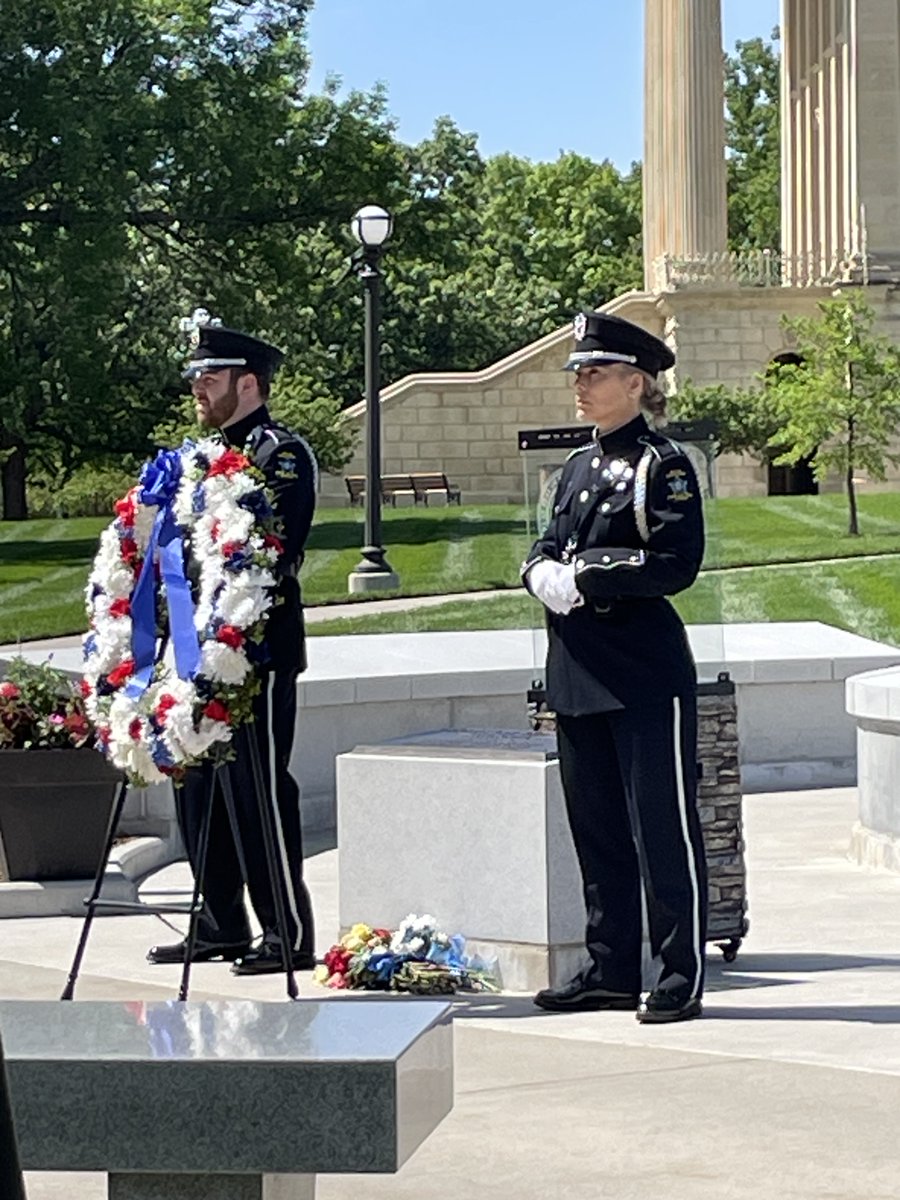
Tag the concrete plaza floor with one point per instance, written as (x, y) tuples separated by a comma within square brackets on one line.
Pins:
[(789, 1087)]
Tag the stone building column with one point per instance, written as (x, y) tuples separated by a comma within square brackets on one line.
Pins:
[(878, 129), (685, 213), (840, 136)]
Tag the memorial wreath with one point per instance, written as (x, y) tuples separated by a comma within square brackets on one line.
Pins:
[(177, 601)]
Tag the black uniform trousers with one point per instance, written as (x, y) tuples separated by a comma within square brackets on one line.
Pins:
[(629, 778), (224, 917)]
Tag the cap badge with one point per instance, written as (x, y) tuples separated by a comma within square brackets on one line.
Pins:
[(191, 326), (579, 327)]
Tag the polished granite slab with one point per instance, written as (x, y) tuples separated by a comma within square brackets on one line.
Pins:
[(227, 1086)]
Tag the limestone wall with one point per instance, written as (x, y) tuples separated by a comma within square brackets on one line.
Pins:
[(466, 423)]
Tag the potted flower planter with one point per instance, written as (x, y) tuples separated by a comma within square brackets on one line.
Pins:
[(55, 807)]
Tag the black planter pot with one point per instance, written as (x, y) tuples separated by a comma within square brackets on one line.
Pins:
[(54, 812)]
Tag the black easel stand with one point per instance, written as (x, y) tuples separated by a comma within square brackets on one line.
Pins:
[(11, 1185), (277, 882)]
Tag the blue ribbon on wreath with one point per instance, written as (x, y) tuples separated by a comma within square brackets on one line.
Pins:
[(158, 486)]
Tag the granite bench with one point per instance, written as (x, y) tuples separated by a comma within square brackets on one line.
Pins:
[(225, 1100)]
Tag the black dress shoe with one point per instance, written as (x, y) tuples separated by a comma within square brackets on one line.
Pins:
[(580, 995), (267, 961), (658, 1008), (203, 952)]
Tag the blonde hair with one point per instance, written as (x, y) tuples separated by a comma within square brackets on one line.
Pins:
[(654, 401)]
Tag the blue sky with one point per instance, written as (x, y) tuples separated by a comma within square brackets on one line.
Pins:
[(529, 76)]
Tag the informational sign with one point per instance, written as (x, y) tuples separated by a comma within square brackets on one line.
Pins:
[(546, 497)]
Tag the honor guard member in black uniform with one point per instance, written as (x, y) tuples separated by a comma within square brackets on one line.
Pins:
[(626, 532), (230, 374)]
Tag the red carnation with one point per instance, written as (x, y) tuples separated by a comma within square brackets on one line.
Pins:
[(8, 691), (120, 673), (120, 608), (228, 464), (165, 702), (337, 960), (216, 711), (230, 635), (271, 540), (86, 688), (229, 548), (214, 529), (125, 508), (129, 550), (134, 729)]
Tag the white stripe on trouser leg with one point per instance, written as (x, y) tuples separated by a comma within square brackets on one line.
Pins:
[(276, 815), (688, 846)]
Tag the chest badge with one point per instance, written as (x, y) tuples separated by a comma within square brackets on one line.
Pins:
[(618, 474)]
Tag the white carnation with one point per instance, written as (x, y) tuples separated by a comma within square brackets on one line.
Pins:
[(223, 663), (144, 519)]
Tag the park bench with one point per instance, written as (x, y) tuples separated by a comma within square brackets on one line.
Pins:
[(392, 486), (434, 483), (225, 1100)]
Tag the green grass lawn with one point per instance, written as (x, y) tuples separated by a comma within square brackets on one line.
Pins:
[(44, 565), (862, 597)]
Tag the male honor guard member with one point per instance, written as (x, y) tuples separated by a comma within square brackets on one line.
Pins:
[(626, 533), (230, 374)]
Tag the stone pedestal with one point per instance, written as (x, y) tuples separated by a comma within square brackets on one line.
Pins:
[(874, 700), (362, 582), (469, 825)]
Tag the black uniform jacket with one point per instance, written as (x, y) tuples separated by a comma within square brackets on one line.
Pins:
[(291, 474), (626, 645)]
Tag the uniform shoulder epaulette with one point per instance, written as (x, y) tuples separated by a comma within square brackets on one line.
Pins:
[(662, 447), (270, 431), (275, 435)]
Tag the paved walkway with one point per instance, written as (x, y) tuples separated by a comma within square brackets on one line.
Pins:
[(320, 612), (788, 1089)]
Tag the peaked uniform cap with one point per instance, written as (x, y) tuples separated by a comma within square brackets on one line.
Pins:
[(602, 338), (218, 347)]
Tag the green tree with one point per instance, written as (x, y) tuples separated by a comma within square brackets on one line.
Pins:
[(157, 157), (556, 237), (840, 405), (753, 139), (746, 418)]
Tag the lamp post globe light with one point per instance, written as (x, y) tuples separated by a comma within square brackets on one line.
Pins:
[(371, 227)]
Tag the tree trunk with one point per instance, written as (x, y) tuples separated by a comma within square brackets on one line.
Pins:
[(15, 503), (853, 529)]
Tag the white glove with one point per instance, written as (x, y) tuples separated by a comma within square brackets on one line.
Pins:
[(554, 585)]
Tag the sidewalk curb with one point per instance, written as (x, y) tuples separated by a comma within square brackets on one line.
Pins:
[(128, 867)]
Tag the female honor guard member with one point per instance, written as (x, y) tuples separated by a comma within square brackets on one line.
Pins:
[(230, 374), (626, 532)]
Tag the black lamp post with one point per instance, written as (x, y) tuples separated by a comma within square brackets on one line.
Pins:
[(372, 227)]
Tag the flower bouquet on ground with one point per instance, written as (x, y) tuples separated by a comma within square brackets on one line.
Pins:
[(416, 957)]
